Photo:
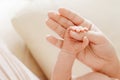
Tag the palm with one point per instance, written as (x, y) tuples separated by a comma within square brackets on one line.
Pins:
[(95, 56)]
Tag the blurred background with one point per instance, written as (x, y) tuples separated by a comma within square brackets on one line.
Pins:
[(31, 15)]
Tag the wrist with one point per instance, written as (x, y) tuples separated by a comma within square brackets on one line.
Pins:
[(68, 52), (116, 75), (66, 56)]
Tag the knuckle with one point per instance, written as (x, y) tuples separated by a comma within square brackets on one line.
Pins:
[(61, 33)]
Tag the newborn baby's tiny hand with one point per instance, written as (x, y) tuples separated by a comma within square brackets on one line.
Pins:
[(72, 45), (75, 30), (79, 29)]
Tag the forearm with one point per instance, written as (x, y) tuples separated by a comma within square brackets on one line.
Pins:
[(95, 76), (118, 75), (113, 70), (63, 66)]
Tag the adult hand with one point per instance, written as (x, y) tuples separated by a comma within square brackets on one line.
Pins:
[(99, 54)]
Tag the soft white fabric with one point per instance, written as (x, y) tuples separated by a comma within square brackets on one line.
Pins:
[(11, 68), (14, 42)]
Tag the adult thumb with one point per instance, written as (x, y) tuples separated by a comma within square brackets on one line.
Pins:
[(94, 37)]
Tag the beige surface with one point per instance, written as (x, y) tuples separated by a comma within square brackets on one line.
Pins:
[(30, 24), (11, 68), (14, 42)]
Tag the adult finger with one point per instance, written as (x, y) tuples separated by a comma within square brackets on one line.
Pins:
[(60, 19), (73, 17), (85, 42), (56, 27), (54, 41), (94, 37)]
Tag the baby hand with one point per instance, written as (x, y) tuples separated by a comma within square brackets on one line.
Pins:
[(74, 46)]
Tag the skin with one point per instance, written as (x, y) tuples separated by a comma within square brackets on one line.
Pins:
[(99, 54), (69, 50)]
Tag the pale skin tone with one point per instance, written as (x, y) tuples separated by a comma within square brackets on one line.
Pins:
[(99, 54), (69, 50)]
